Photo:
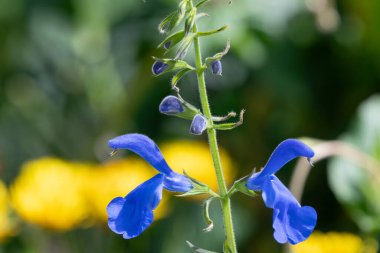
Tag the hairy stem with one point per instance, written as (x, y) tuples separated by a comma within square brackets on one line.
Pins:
[(225, 200)]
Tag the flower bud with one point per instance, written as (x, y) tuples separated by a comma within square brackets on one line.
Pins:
[(171, 105), (216, 67), (167, 45), (158, 67), (176, 106), (198, 125)]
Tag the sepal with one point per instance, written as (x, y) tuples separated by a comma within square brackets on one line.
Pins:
[(173, 40), (174, 18), (198, 188), (190, 20), (178, 76), (240, 185), (185, 45), (218, 56)]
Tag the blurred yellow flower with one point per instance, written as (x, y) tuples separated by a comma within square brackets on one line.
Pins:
[(117, 178), (194, 157), (60, 195), (48, 193), (334, 242), (7, 226)]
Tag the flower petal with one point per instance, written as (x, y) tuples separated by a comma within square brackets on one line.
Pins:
[(291, 222), (143, 146), (131, 215), (285, 152), (147, 149)]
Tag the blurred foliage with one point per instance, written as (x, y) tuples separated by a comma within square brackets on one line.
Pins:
[(354, 186), (7, 224), (73, 74)]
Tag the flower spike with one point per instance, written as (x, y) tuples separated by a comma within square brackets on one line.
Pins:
[(292, 222)]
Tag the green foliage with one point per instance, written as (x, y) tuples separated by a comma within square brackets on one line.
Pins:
[(352, 183)]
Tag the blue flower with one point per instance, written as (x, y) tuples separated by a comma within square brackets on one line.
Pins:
[(198, 125), (292, 222), (131, 215)]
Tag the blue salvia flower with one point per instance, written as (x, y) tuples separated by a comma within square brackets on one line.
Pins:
[(131, 215), (292, 222), (171, 105), (216, 67), (158, 67), (198, 125)]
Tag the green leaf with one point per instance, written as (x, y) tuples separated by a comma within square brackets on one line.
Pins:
[(221, 29), (206, 215), (197, 249), (350, 182)]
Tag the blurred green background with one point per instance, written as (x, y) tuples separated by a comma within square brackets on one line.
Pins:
[(74, 74)]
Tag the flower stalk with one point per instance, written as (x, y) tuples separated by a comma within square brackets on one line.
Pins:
[(230, 244)]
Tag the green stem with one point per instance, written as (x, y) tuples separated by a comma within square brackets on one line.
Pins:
[(225, 200)]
